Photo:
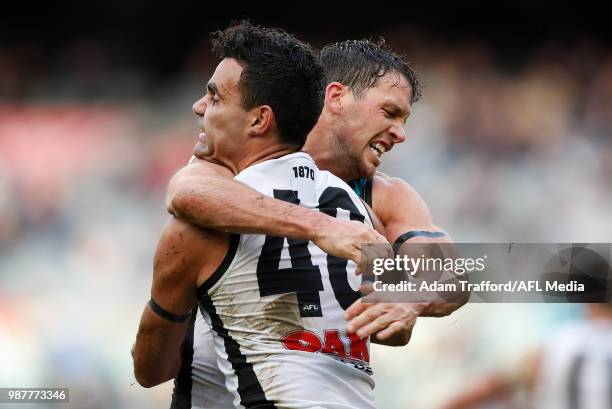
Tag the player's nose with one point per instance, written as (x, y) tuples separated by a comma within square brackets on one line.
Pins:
[(199, 107), (398, 133)]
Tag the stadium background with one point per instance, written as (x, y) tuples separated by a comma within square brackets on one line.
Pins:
[(511, 142)]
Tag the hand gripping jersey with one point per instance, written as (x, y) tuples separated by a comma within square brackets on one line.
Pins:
[(276, 305)]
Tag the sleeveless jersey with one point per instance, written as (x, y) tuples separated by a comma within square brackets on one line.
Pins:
[(200, 384), (276, 305)]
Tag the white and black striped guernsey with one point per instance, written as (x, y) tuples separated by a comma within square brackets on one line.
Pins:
[(576, 369), (276, 308)]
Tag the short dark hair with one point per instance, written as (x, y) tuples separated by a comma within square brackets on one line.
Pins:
[(359, 64), (279, 71)]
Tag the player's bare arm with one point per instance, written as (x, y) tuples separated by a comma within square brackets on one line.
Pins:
[(406, 219), (205, 194), (500, 384), (178, 269)]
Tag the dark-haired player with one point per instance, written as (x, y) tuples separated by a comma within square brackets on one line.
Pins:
[(369, 95), (276, 305)]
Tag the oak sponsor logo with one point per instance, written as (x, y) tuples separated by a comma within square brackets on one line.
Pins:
[(348, 346)]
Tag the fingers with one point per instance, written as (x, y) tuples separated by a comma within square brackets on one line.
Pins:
[(355, 255), (366, 319), (371, 315), (380, 238), (380, 323), (365, 234), (355, 309), (394, 328)]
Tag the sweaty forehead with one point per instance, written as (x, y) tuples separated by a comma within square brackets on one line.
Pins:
[(227, 76), (394, 87), (394, 80)]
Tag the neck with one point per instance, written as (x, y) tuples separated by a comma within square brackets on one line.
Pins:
[(262, 155), (319, 146)]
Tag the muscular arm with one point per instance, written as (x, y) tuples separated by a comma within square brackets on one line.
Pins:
[(205, 194), (400, 209), (178, 268)]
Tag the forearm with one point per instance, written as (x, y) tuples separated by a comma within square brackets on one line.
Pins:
[(480, 393), (441, 309), (435, 303), (231, 206), (446, 305), (156, 353)]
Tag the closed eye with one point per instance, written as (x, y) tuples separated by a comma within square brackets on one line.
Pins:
[(391, 113), (396, 113), (213, 92)]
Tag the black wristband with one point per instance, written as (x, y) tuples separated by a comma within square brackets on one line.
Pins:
[(168, 316), (418, 233)]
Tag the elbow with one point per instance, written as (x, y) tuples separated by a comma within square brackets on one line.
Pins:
[(189, 199), (151, 372), (464, 298), (146, 375), (399, 339), (146, 378), (179, 198), (461, 298), (146, 382), (444, 309), (402, 339)]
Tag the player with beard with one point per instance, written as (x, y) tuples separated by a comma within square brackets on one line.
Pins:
[(276, 305), (368, 98)]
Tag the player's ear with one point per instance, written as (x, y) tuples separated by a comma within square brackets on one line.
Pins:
[(335, 93), (260, 120)]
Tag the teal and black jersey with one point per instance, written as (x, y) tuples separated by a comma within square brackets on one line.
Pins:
[(363, 188)]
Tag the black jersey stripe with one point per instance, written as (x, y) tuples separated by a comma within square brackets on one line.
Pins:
[(227, 260), (573, 387), (181, 395), (250, 390)]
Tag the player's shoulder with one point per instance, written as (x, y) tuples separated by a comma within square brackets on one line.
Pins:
[(393, 199), (181, 235), (197, 167), (393, 187)]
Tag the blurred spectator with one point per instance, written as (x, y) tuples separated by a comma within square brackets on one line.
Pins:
[(501, 150), (572, 371)]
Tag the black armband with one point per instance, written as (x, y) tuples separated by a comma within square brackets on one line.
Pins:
[(168, 316), (418, 233)]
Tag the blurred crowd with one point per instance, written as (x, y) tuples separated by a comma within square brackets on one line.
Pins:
[(501, 147)]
